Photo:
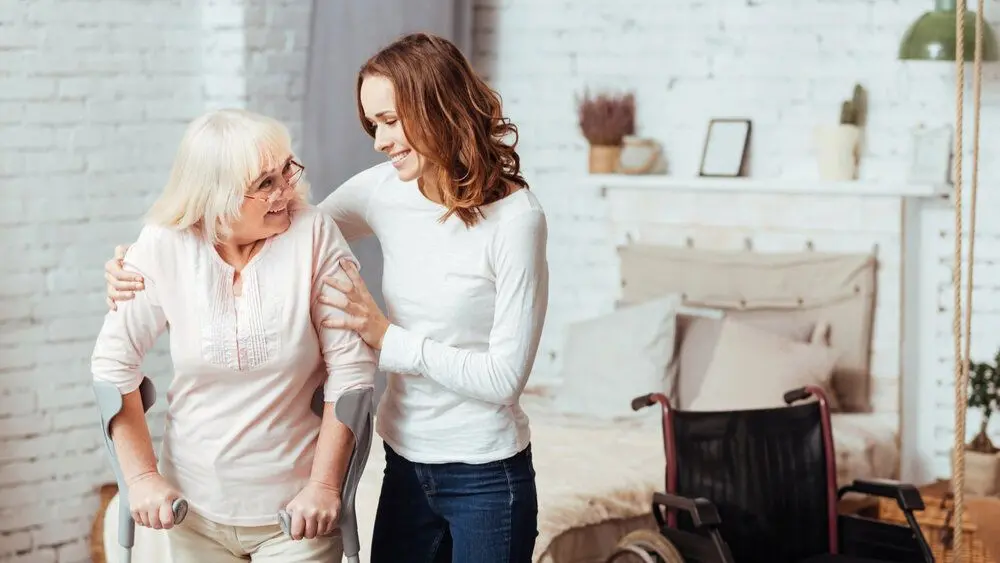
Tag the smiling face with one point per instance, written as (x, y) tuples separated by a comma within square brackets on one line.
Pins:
[(265, 209), (378, 100)]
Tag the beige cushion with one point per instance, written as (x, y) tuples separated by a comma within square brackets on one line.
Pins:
[(698, 336), (614, 358), (807, 286), (753, 368)]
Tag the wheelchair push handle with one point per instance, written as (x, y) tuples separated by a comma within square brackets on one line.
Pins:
[(642, 402), (796, 395), (649, 400)]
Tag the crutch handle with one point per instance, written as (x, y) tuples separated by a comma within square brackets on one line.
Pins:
[(180, 508), (127, 523), (285, 521)]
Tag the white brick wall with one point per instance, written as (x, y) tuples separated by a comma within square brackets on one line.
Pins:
[(94, 97), (95, 94), (787, 64)]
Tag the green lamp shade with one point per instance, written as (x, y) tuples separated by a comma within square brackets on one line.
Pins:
[(932, 38)]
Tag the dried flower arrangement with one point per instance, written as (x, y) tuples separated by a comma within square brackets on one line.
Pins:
[(606, 119)]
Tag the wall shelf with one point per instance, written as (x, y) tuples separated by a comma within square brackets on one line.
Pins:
[(785, 186)]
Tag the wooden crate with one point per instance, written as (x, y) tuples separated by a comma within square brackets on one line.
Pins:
[(936, 523)]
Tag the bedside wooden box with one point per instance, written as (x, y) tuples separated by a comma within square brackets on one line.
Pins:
[(980, 522)]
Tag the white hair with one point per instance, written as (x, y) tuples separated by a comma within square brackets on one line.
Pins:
[(221, 154)]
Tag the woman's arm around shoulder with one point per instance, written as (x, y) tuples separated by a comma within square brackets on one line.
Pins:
[(522, 285)]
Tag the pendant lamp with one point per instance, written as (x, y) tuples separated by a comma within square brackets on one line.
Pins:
[(932, 37)]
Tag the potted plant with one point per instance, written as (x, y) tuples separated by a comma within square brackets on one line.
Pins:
[(605, 120), (982, 462), (839, 146)]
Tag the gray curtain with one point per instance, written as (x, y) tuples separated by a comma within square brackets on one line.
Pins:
[(344, 34)]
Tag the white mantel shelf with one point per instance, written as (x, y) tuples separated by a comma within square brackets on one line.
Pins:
[(783, 186)]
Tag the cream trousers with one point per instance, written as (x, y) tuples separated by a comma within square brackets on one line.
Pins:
[(199, 540)]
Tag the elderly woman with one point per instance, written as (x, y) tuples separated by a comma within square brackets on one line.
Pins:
[(233, 262)]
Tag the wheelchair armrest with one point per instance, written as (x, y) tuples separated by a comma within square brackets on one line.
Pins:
[(908, 499), (906, 495), (703, 512)]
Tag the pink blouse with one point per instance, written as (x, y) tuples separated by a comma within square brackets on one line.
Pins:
[(240, 435)]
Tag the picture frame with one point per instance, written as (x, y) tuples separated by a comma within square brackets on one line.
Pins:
[(727, 144)]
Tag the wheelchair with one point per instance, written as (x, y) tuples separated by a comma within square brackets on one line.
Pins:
[(759, 486), (354, 409)]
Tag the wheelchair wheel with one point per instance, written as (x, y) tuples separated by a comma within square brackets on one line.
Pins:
[(645, 546)]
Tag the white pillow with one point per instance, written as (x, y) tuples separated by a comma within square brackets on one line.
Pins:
[(752, 368), (611, 359)]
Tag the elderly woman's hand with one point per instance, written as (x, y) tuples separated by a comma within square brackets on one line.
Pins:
[(362, 313), (315, 511), (151, 498)]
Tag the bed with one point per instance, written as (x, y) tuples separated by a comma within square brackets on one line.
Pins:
[(597, 467), (595, 481)]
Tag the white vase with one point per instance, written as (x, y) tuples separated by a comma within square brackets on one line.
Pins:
[(838, 151), (641, 156)]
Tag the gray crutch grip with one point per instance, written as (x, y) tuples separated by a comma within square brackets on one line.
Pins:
[(353, 409), (285, 521), (109, 404)]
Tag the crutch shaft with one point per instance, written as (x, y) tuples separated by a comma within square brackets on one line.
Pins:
[(109, 404), (354, 409)]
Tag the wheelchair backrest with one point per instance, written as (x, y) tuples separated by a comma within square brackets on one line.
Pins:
[(766, 471)]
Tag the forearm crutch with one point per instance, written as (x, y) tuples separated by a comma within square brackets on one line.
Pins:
[(354, 410), (109, 403)]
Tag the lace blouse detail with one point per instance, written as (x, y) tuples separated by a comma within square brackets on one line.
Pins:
[(235, 334)]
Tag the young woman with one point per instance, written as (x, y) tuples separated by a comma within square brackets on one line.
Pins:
[(232, 261), (465, 282)]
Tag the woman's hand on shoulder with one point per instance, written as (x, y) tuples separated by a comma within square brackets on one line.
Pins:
[(121, 285), (361, 313)]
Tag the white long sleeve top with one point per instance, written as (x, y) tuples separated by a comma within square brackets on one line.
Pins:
[(240, 435), (466, 307)]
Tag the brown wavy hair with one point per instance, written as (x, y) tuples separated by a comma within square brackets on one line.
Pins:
[(452, 118)]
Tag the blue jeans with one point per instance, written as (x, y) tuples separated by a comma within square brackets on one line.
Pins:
[(456, 512)]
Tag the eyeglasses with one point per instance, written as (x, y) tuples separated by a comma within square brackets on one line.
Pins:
[(268, 187)]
